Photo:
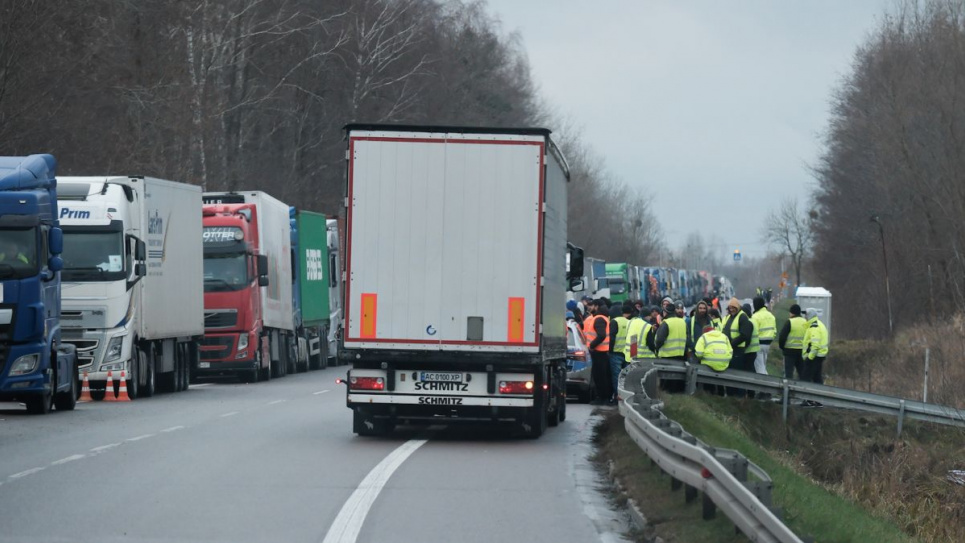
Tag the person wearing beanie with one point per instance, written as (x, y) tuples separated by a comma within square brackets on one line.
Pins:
[(739, 330), (767, 331), (570, 316), (696, 324), (791, 342)]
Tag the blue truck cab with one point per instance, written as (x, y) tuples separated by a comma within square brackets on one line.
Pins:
[(35, 368)]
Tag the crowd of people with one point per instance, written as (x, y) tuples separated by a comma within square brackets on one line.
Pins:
[(739, 339)]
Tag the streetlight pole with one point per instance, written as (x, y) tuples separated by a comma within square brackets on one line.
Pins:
[(884, 253)]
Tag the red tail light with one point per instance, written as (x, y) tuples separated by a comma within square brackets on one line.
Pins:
[(515, 387), (366, 383), (579, 354)]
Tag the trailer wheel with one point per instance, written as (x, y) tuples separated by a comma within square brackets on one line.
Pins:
[(67, 400)]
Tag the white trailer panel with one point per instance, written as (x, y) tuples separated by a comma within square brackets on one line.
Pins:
[(445, 241), (172, 293)]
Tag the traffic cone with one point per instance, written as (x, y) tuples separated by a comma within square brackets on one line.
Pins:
[(85, 391), (122, 392), (109, 395)]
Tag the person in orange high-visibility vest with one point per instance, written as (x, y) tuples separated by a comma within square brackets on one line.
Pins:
[(597, 331)]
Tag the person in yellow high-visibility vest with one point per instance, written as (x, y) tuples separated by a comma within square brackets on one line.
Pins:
[(619, 325), (815, 346), (791, 342), (714, 351), (767, 331), (639, 337)]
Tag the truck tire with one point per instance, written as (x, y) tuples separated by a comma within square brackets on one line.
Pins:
[(264, 374), (43, 403), (150, 381), (134, 376), (67, 400), (534, 423)]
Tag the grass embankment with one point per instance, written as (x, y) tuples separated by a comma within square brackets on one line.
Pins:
[(838, 476)]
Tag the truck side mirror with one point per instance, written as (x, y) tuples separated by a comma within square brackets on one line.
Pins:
[(140, 250), (140, 269), (262, 280), (55, 264), (262, 265), (576, 285), (55, 241), (576, 261)]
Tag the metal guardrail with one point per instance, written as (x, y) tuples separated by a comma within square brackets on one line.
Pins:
[(788, 390), (721, 474)]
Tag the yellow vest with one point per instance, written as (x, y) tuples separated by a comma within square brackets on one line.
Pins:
[(621, 340), (795, 338), (637, 335), (755, 345), (20, 257), (816, 339), (766, 324), (735, 331), (713, 349), (676, 342)]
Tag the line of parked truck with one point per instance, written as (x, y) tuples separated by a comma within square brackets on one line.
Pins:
[(157, 280), (620, 282)]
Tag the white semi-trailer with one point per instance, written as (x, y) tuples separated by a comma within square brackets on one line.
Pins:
[(132, 282), (456, 276)]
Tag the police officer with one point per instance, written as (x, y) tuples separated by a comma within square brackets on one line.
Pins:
[(791, 342)]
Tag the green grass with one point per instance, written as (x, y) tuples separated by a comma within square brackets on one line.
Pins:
[(810, 509)]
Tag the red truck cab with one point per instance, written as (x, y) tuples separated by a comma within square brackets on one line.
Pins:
[(234, 272)]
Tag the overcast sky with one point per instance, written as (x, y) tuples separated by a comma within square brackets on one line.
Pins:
[(715, 107)]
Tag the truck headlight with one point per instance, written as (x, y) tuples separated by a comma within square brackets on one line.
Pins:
[(25, 364), (114, 349), (242, 341)]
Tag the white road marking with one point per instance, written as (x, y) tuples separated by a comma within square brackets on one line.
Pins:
[(230, 414), (104, 447), (173, 429), (26, 473), (138, 438), (68, 459), (201, 385), (319, 392), (349, 521), (276, 402)]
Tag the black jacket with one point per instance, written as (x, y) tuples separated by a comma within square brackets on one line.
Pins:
[(599, 326), (745, 330)]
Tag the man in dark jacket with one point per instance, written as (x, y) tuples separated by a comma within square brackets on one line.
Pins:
[(791, 342), (696, 324), (600, 352)]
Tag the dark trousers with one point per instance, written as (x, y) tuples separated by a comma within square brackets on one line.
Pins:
[(749, 359), (815, 369), (794, 361), (600, 373), (737, 363)]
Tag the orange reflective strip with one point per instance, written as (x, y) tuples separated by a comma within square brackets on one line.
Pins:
[(516, 308), (369, 314)]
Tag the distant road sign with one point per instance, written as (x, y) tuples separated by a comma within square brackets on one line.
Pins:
[(737, 255)]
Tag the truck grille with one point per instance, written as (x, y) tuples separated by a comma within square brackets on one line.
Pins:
[(220, 319), (216, 347), (86, 348)]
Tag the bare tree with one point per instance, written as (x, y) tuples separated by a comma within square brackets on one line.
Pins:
[(790, 230)]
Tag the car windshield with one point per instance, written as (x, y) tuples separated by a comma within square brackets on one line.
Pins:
[(617, 286), (225, 272), (91, 255), (18, 252)]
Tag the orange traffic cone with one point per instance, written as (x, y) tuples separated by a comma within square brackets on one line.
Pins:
[(109, 395), (85, 391), (122, 393)]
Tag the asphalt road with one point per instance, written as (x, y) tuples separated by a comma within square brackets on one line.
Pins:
[(278, 461)]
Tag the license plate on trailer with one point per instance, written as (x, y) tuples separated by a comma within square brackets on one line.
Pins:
[(204, 365), (440, 377)]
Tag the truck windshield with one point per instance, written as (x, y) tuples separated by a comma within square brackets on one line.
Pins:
[(225, 272), (617, 285), (93, 255), (18, 253)]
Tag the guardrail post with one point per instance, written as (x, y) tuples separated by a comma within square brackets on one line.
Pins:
[(690, 494), (710, 510), (691, 380), (901, 415), (787, 395)]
